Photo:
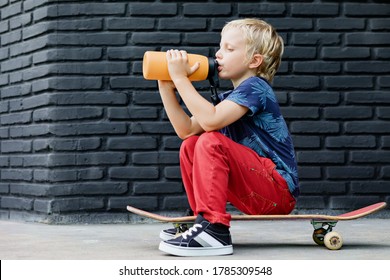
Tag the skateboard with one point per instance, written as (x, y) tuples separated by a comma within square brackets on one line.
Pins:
[(323, 224)]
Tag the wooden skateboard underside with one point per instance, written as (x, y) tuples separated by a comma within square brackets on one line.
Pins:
[(346, 216)]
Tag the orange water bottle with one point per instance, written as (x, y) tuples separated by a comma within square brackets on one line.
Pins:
[(155, 67)]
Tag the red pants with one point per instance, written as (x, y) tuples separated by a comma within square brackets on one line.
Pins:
[(215, 170)]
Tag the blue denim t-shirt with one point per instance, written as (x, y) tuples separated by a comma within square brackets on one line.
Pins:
[(263, 128)]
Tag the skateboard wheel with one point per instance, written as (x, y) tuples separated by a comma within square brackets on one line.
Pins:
[(318, 236), (333, 240)]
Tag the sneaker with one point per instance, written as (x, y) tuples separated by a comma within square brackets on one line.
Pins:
[(167, 234), (202, 239), (170, 233)]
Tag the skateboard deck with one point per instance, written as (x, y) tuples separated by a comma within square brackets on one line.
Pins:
[(323, 224)]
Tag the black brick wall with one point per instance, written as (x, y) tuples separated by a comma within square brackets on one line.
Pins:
[(82, 134)]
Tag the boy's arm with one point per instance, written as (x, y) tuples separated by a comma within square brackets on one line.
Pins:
[(184, 125), (208, 116)]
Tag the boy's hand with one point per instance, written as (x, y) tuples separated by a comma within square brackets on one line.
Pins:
[(178, 66)]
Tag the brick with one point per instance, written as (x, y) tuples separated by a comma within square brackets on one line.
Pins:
[(309, 172), (11, 10), (320, 98), (291, 113), (191, 24), (155, 158), (76, 204), (323, 188), (371, 127), (16, 118), (141, 188), (288, 24), (383, 113), (12, 146), (370, 157), (175, 202), (320, 157), (126, 52), (385, 142), (385, 172), (144, 202), (311, 202), (88, 129), (367, 67), (293, 53), (341, 24), (337, 53), (384, 82), (248, 9), (67, 83), (217, 9), (16, 174), (172, 142), (134, 113), (101, 158), (379, 24), (152, 128), (55, 175), (348, 112), (367, 39), (326, 127), (357, 9), (155, 38), (352, 202), (89, 98), (74, 54), (134, 173), (17, 203), (60, 114), (381, 187), (29, 130), (91, 39), (132, 143), (172, 172), (141, 9), (81, 24), (4, 188), (367, 97), (351, 172), (362, 142), (348, 82), (77, 9), (316, 67), (313, 38), (296, 82), (131, 83), (307, 9), (306, 141), (382, 53)]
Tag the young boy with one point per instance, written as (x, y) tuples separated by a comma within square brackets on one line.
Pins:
[(239, 151)]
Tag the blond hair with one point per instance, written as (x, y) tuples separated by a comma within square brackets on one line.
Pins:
[(261, 38)]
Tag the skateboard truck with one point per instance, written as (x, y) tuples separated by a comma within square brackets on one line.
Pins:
[(325, 236)]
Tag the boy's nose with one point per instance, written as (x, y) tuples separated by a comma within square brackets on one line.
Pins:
[(218, 54)]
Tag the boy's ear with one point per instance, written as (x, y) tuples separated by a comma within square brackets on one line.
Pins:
[(256, 61)]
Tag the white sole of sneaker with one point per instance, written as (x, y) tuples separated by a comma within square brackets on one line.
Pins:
[(195, 251)]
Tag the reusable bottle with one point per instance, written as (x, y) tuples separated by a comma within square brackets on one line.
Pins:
[(155, 67)]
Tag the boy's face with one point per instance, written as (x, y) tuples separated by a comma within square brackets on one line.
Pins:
[(231, 57)]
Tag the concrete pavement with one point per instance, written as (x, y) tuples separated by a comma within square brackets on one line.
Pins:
[(364, 239)]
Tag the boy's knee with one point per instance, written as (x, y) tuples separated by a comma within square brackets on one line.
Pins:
[(189, 143), (210, 138)]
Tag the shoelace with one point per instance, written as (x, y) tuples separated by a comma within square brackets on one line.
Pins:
[(192, 229)]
